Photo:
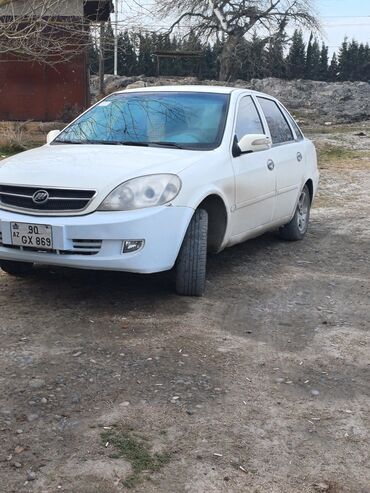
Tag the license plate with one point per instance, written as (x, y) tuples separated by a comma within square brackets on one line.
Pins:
[(32, 235)]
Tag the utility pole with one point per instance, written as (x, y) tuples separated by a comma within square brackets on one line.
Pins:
[(116, 37), (101, 58)]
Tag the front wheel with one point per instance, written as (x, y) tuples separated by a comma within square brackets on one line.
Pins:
[(17, 269), (192, 259), (298, 226)]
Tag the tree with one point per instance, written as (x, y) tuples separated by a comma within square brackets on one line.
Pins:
[(308, 64), (364, 62), (257, 57), (34, 30), (254, 59), (315, 61), (176, 65), (333, 68), (352, 62), (296, 59), (108, 37), (145, 63), (93, 54), (344, 63), (234, 20), (323, 64), (127, 60), (209, 62), (275, 62)]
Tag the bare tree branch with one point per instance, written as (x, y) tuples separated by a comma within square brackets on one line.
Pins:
[(47, 31), (235, 19)]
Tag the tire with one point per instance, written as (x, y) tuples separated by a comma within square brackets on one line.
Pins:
[(17, 269), (298, 226), (192, 260)]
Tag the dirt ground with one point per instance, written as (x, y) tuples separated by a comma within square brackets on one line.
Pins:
[(111, 383)]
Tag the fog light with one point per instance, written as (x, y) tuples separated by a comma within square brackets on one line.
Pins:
[(132, 245)]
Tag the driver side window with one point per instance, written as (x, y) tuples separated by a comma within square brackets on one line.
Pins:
[(248, 120)]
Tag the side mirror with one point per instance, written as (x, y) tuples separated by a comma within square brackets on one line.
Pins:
[(53, 134), (254, 142)]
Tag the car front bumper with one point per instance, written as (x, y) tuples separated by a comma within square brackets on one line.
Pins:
[(162, 229)]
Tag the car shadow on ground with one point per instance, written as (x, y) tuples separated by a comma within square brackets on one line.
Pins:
[(114, 286)]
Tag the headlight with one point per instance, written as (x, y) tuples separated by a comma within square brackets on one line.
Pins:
[(145, 191)]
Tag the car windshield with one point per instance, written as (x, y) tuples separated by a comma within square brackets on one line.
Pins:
[(185, 120)]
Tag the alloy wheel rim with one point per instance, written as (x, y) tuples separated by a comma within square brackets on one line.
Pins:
[(303, 211)]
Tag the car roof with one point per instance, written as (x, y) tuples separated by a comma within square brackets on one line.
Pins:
[(191, 88)]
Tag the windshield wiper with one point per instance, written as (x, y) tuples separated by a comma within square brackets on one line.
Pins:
[(150, 144), (116, 143), (67, 142), (166, 144), (103, 142), (133, 143), (84, 142), (122, 143)]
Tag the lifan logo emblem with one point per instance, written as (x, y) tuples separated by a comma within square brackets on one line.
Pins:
[(40, 197)]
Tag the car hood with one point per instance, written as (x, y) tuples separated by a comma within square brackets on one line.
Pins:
[(96, 167)]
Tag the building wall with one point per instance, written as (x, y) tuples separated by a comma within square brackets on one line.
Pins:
[(32, 91), (44, 7)]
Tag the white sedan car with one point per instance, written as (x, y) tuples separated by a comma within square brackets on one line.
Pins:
[(151, 179)]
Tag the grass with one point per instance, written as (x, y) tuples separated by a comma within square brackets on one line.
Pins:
[(330, 153), (339, 128), (12, 137), (6, 151), (12, 149), (135, 450), (16, 137)]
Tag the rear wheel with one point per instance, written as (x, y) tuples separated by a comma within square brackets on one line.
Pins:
[(298, 226), (18, 269), (192, 259)]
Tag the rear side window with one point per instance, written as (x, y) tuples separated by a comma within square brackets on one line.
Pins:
[(248, 120), (279, 128), (294, 125)]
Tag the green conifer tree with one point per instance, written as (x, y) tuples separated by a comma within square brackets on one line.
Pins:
[(333, 70), (324, 62), (296, 57), (127, 61)]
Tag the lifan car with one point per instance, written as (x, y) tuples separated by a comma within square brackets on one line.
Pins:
[(152, 179)]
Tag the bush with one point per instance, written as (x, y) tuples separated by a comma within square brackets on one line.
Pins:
[(12, 137)]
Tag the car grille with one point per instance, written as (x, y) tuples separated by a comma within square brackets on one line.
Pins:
[(79, 247), (87, 247), (60, 199)]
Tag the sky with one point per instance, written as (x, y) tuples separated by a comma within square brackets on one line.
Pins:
[(339, 18)]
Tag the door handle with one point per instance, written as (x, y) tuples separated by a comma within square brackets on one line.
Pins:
[(270, 164), (299, 157)]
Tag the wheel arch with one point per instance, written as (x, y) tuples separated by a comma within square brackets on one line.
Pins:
[(217, 220), (309, 184)]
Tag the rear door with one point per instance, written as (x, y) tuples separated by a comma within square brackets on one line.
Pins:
[(287, 156), (254, 178)]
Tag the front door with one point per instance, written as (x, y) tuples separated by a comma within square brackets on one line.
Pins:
[(254, 175)]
